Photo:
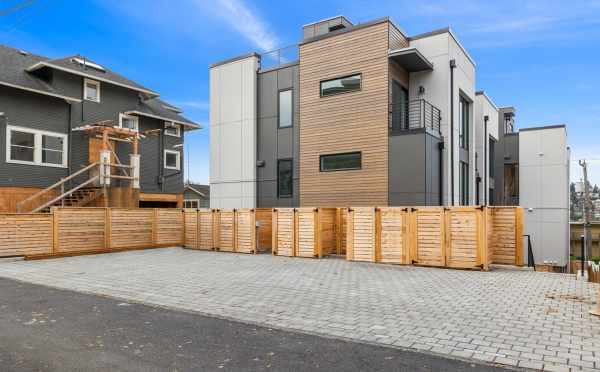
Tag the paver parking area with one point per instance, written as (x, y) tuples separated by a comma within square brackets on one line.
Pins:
[(519, 318)]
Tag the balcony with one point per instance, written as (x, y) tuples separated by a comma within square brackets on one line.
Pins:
[(414, 115), (279, 57)]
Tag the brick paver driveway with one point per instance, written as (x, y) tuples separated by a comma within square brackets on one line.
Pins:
[(520, 318)]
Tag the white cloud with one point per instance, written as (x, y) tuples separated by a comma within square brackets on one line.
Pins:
[(248, 24)]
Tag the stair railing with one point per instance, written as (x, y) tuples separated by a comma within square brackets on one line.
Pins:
[(61, 184)]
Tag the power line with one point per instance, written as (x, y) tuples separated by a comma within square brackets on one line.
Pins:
[(16, 7)]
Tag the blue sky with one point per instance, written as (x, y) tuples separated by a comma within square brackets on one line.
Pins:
[(543, 57)]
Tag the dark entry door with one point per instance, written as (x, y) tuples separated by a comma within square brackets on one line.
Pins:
[(399, 107)]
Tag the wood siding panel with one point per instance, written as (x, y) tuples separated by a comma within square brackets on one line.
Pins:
[(131, 228), (361, 235), (190, 219), (169, 226), (428, 225), (245, 230), (80, 229), (356, 121), (283, 232), (25, 234), (306, 232), (226, 228), (264, 217), (206, 229), (394, 247), (503, 239)]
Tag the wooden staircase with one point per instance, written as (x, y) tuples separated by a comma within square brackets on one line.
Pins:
[(79, 198)]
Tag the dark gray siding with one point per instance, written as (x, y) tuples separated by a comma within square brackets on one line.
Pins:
[(414, 169), (507, 152), (52, 114), (275, 143), (190, 195), (32, 111)]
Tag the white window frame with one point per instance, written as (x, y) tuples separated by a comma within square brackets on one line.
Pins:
[(178, 167), (171, 125), (87, 81), (37, 146), (197, 201), (132, 117)]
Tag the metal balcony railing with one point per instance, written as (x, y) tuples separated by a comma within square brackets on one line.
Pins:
[(413, 115), (278, 57)]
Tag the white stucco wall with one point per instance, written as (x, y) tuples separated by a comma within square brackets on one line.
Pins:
[(233, 100), (544, 192), (440, 49), (484, 106)]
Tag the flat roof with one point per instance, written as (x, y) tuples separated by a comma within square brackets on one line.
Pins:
[(411, 59), (440, 31), (238, 58), (543, 127), (483, 93)]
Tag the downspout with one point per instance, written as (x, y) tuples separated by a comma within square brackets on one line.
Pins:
[(477, 180), (161, 163), (486, 159), (452, 67), (70, 139), (441, 183)]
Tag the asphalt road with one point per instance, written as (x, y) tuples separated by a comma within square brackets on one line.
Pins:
[(44, 329)]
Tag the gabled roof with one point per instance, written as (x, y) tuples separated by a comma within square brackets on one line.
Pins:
[(157, 108), (13, 65), (202, 190), (72, 65), (25, 71)]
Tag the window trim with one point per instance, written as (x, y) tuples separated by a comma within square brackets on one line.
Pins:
[(93, 82), (339, 78), (291, 195), (136, 118), (174, 126), (178, 159), (291, 90), (340, 169), (197, 201), (37, 146)]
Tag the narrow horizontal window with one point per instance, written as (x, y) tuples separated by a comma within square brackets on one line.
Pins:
[(172, 159), (344, 84), (35, 147), (339, 162), (172, 129)]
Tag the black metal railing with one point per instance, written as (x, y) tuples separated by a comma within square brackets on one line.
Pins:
[(413, 115)]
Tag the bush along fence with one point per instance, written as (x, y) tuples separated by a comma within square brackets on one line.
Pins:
[(71, 231), (457, 237)]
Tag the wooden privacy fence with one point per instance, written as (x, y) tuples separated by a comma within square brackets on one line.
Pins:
[(305, 232), (228, 230), (458, 237), (69, 231)]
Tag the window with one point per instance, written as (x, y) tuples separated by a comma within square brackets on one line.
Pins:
[(399, 107), (492, 155), (464, 183), (508, 124), (191, 204), (286, 112), (463, 130), (35, 147), (172, 159), (91, 90), (129, 122), (340, 162), (172, 129), (341, 85), (285, 179)]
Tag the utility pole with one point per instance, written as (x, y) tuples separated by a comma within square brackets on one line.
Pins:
[(587, 210)]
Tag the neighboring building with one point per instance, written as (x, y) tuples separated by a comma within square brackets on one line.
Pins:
[(51, 114), (196, 196)]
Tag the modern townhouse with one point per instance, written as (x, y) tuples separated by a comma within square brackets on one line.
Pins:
[(366, 115), (59, 118)]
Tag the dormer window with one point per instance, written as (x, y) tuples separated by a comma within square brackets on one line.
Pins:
[(172, 129), (89, 64), (91, 90)]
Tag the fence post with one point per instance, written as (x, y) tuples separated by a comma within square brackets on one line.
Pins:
[(155, 227), (482, 219), (55, 230), (350, 235), (107, 228), (274, 234), (377, 253)]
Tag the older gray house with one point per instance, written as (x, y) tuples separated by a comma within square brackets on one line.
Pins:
[(57, 119)]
